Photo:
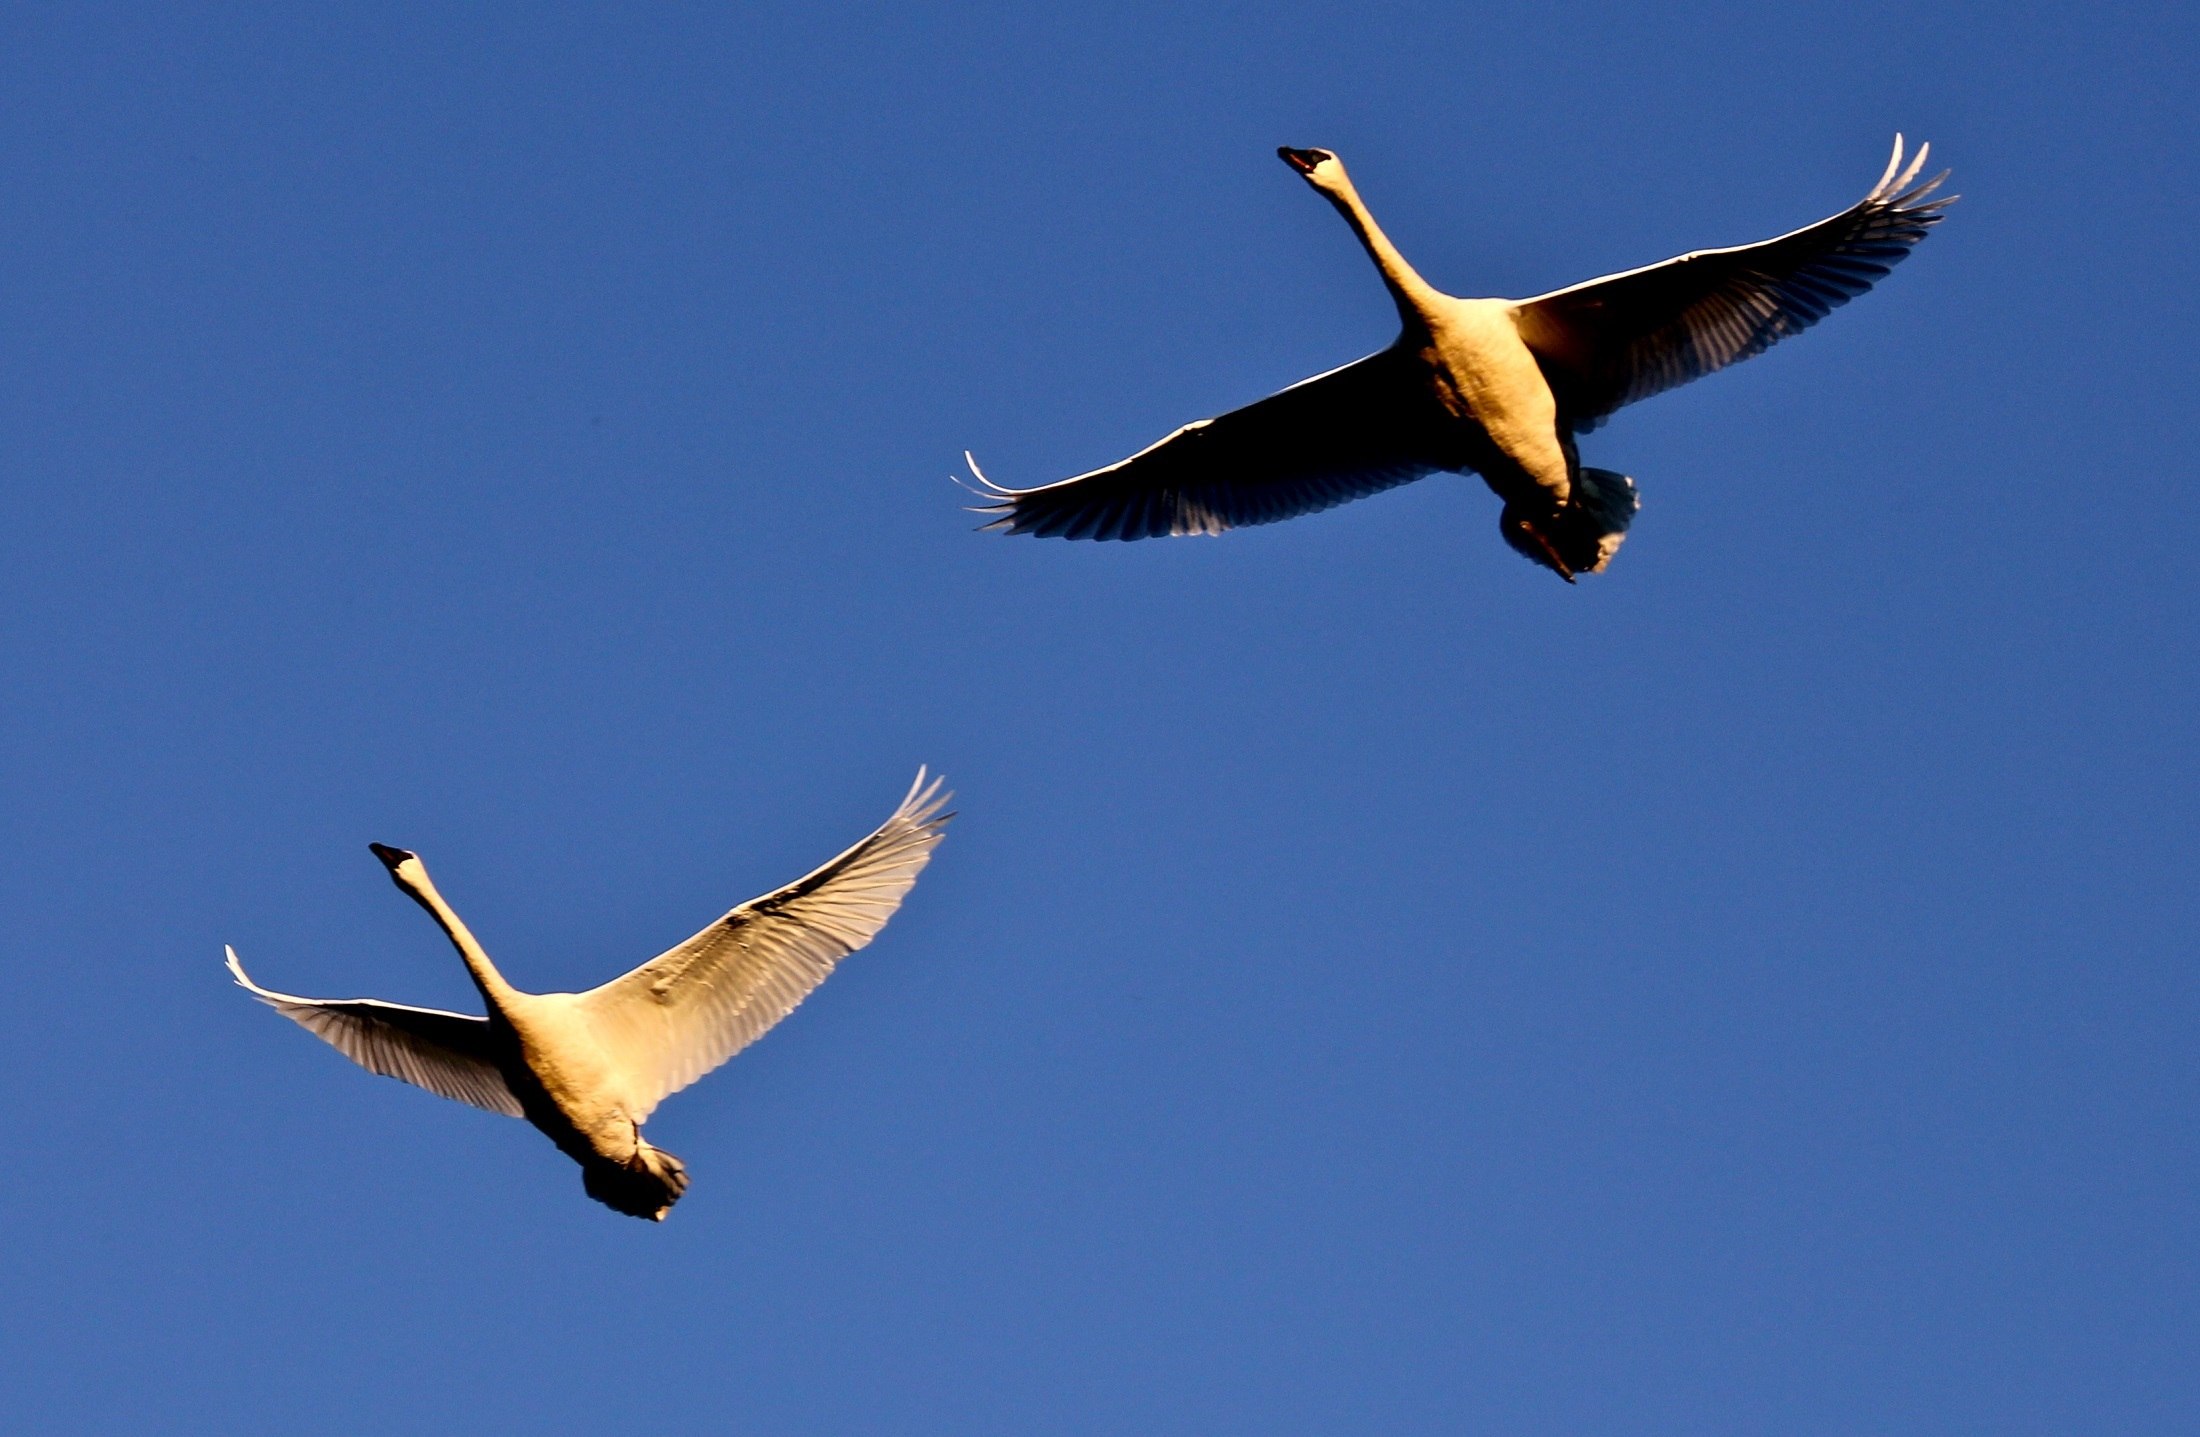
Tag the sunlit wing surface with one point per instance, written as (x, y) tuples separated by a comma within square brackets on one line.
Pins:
[(446, 1053), (1611, 341), (681, 1014), (1352, 432)]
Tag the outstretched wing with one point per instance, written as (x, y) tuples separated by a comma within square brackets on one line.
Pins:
[(684, 1012), (446, 1053), (1612, 341), (1343, 435)]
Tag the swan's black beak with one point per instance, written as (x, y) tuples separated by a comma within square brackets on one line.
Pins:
[(1303, 161), (390, 857)]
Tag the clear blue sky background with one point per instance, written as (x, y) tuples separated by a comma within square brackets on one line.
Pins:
[(1372, 987)]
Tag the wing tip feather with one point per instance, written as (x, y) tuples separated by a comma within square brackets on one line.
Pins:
[(986, 486), (1898, 188), (235, 965), (1894, 162), (920, 808), (999, 500)]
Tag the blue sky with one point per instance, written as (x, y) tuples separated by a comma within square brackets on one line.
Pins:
[(1372, 986)]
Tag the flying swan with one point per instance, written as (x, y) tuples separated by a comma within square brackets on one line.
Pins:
[(589, 1068), (1496, 387)]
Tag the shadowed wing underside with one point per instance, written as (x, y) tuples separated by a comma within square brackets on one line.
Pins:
[(681, 1014), (1354, 431), (1611, 341), (446, 1053)]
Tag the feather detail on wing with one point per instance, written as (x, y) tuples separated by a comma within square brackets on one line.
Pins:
[(683, 1013), (1611, 341), (1354, 431), (446, 1053)]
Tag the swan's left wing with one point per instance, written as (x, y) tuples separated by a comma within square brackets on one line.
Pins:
[(684, 1012), (1343, 435), (446, 1053), (1612, 341)]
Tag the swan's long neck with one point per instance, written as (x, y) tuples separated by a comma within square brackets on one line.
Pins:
[(494, 990), (1412, 293)]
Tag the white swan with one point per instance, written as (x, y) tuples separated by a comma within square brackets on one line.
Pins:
[(1490, 386), (588, 1068)]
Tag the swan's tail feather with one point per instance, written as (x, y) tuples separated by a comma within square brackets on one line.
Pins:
[(645, 1185), (1582, 537)]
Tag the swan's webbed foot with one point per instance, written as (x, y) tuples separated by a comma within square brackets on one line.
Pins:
[(1544, 551)]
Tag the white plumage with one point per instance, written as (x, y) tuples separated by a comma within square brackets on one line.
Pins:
[(589, 1068), (1489, 386)]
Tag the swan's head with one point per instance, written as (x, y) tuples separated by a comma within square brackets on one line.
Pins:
[(404, 865), (1322, 169)]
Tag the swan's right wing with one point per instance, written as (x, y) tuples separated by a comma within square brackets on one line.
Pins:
[(1343, 435), (687, 1010), (446, 1053)]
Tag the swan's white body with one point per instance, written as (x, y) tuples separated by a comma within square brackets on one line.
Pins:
[(589, 1068), (1495, 387)]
